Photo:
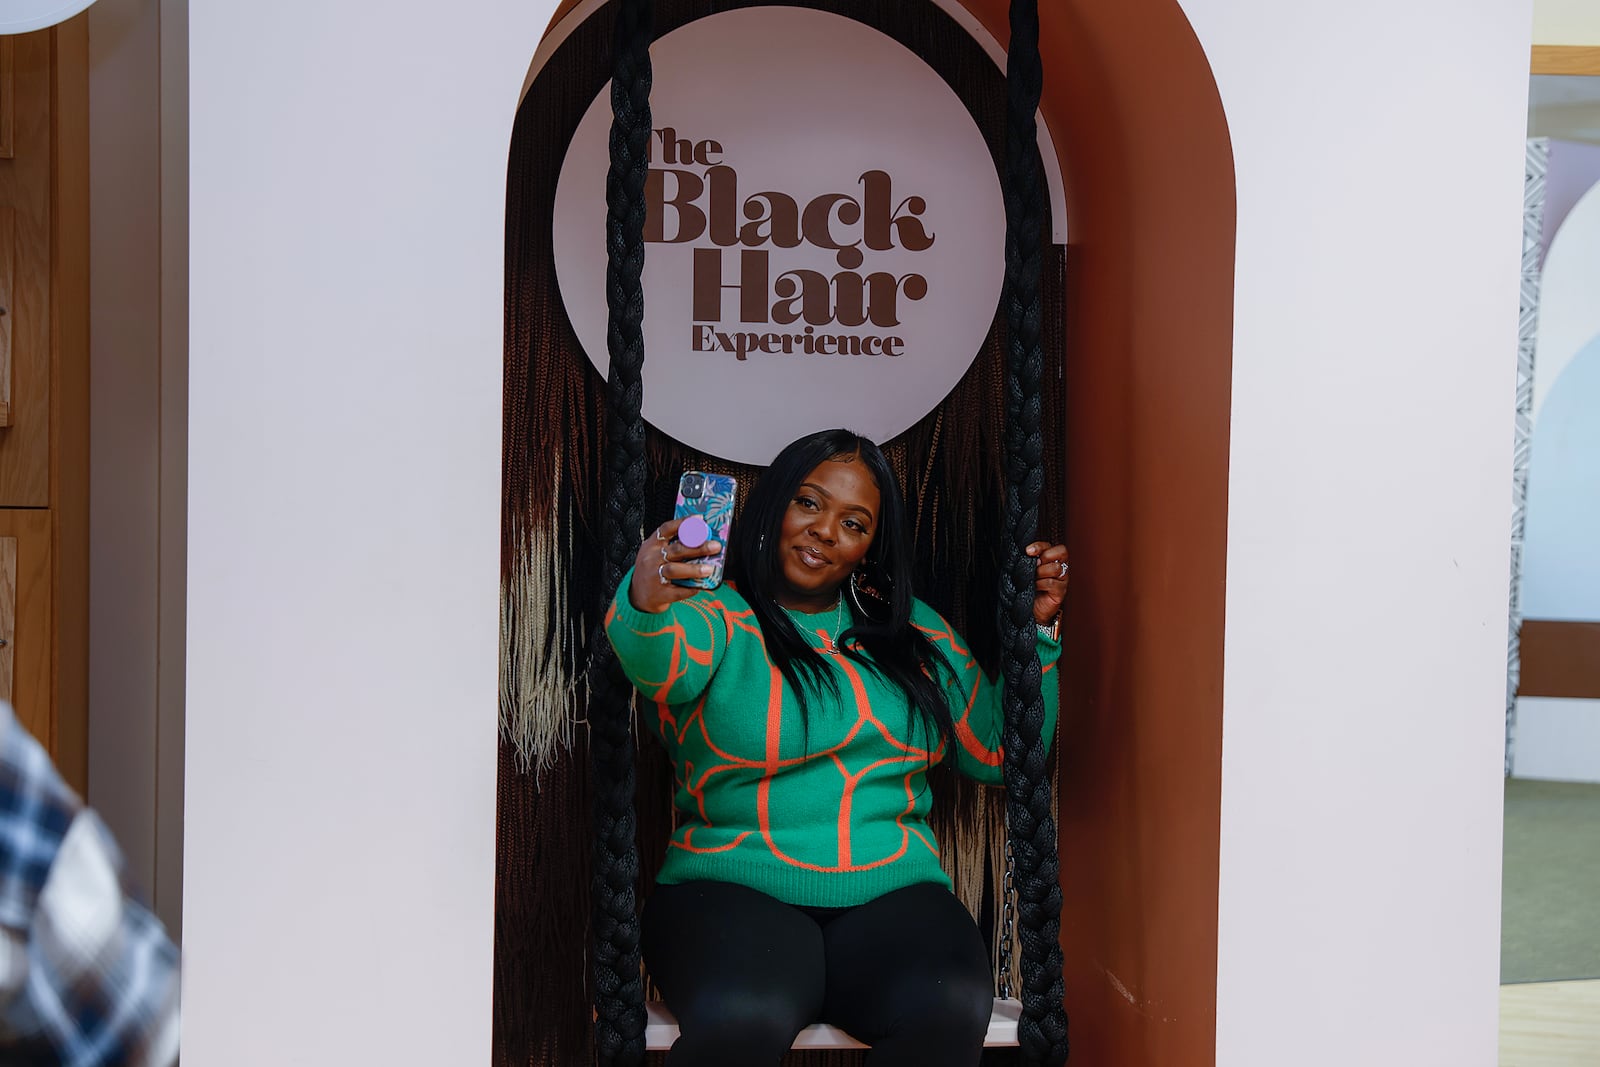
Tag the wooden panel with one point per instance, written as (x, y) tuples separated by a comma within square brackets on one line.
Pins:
[(8, 611), (8, 115), (25, 183), (8, 265), (30, 639), (1565, 59), (1560, 659), (1550, 1024), (69, 393)]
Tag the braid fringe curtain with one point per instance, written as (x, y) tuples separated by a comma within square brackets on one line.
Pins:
[(568, 737)]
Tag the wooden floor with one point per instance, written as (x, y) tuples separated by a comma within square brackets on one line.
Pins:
[(1550, 1024)]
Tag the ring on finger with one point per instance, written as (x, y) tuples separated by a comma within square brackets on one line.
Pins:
[(1063, 565), (663, 552), (661, 572)]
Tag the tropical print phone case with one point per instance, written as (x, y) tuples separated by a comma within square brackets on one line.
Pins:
[(709, 496)]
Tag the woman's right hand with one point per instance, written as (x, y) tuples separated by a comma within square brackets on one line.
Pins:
[(661, 560)]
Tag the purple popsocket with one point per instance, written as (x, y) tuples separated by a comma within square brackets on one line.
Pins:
[(694, 532)]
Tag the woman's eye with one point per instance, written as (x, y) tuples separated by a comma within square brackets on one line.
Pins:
[(855, 525), (805, 502)]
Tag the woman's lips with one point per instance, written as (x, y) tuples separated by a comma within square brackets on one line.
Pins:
[(812, 558)]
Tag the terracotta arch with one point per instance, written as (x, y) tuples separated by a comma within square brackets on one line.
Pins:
[(1143, 143)]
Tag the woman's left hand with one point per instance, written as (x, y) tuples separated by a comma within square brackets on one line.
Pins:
[(1050, 580)]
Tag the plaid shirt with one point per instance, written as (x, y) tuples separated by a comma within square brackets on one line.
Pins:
[(87, 974)]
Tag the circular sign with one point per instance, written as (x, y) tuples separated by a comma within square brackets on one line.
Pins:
[(25, 16), (825, 239)]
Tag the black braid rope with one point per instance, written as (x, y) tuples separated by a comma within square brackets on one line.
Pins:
[(1042, 1032), (619, 991)]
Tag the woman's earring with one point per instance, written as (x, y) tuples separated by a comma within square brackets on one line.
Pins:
[(855, 594), (761, 543), (862, 590)]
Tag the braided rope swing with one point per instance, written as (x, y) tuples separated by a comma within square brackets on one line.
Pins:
[(619, 995), (619, 989), (1030, 813)]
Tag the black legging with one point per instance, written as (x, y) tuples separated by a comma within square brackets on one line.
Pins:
[(906, 973)]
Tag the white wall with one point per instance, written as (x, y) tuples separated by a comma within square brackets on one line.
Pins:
[(347, 203), (1374, 372), (1572, 170), (1566, 22), (1569, 315), (1558, 739), (1561, 549)]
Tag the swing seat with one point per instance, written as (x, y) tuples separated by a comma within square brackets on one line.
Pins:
[(661, 1029)]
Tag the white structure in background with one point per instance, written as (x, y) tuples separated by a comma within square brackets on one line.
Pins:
[(345, 387), (1559, 737), (25, 16)]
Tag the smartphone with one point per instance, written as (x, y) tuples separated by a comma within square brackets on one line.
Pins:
[(708, 497)]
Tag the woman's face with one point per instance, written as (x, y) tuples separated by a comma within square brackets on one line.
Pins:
[(826, 530)]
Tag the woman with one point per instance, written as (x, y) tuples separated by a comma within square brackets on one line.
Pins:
[(802, 704)]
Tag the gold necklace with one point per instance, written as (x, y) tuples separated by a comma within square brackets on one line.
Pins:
[(831, 648)]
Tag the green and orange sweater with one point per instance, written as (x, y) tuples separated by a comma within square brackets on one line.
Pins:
[(830, 817)]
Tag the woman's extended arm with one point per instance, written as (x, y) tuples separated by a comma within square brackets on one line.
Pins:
[(671, 655), (975, 705), (975, 700), (669, 638)]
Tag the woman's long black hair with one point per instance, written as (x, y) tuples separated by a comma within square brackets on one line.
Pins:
[(883, 640)]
